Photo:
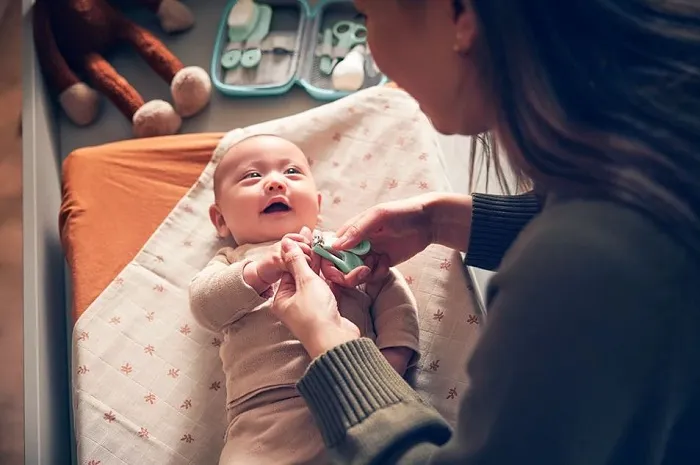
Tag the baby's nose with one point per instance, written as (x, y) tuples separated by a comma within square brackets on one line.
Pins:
[(275, 185)]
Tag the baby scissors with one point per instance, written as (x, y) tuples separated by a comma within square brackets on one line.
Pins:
[(344, 260), (349, 34)]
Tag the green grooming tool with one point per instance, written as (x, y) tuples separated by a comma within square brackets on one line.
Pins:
[(252, 31), (231, 59), (242, 20), (344, 260), (349, 34), (253, 54), (327, 62), (251, 58)]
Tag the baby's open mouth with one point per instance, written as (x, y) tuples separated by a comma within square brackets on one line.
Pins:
[(277, 207)]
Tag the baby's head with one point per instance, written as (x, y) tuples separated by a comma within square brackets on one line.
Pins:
[(263, 189)]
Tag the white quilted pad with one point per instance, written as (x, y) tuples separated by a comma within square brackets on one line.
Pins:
[(148, 385)]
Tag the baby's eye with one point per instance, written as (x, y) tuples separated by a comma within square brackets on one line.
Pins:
[(292, 171), (251, 175)]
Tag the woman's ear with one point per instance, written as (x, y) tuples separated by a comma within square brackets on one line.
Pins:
[(217, 219), (465, 29)]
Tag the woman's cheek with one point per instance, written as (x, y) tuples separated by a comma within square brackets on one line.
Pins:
[(383, 60)]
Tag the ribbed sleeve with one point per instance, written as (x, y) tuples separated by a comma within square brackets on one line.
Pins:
[(347, 384), (496, 222)]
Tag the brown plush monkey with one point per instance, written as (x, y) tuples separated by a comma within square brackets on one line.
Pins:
[(71, 37)]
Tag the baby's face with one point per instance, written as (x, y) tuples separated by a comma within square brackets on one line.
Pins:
[(264, 190)]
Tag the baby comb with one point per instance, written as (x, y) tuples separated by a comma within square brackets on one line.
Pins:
[(344, 260)]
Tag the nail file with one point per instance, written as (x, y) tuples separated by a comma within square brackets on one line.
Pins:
[(327, 63)]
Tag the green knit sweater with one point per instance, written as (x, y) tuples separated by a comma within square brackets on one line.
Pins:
[(590, 355)]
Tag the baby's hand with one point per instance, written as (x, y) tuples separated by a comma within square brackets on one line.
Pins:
[(263, 273), (271, 268), (398, 357)]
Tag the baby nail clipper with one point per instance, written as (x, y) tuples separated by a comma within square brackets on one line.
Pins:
[(344, 260)]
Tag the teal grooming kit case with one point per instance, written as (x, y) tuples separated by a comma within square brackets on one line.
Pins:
[(295, 46)]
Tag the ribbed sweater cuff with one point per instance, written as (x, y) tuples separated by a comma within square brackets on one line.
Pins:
[(496, 222), (347, 384)]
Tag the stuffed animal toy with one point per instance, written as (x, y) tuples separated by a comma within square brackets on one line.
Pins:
[(71, 38)]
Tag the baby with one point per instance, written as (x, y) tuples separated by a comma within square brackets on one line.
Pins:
[(264, 191)]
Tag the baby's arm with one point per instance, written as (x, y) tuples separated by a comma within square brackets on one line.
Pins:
[(224, 291), (395, 316)]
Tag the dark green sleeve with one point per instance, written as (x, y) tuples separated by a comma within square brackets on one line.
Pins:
[(496, 222), (366, 412), (572, 341)]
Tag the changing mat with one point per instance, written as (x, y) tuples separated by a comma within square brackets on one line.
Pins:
[(148, 385)]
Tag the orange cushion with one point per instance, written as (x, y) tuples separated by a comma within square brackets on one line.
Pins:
[(115, 196)]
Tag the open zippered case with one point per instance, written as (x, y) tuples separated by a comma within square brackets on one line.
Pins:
[(292, 42)]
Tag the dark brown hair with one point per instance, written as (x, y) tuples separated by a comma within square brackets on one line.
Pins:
[(602, 98)]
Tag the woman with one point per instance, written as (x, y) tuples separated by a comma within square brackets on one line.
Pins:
[(590, 354)]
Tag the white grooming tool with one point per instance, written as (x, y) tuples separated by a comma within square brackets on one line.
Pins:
[(242, 20), (242, 13), (349, 74)]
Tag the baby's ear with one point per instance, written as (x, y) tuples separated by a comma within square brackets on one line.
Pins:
[(217, 219)]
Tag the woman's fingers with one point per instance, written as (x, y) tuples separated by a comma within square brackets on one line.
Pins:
[(358, 276), (354, 278), (286, 289), (306, 248), (331, 273), (360, 227), (297, 261), (380, 267), (316, 261)]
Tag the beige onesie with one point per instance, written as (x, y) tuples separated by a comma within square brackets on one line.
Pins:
[(262, 361)]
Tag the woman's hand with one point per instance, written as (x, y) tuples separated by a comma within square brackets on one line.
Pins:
[(306, 305), (399, 230)]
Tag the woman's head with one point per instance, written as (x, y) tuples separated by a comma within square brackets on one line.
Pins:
[(597, 96), (430, 49)]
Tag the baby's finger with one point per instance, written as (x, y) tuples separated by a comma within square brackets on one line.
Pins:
[(298, 237), (307, 234), (306, 248)]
